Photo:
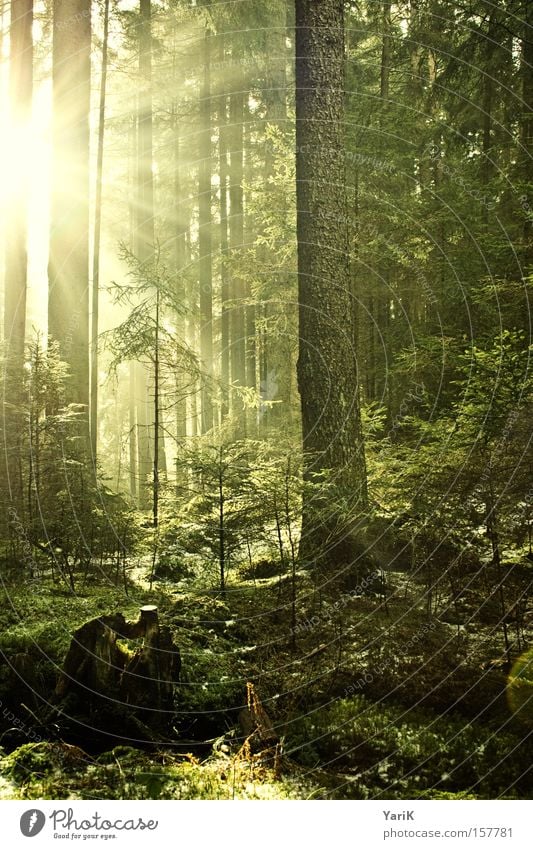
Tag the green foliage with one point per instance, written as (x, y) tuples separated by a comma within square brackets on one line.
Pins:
[(34, 762), (154, 309), (393, 753), (60, 515), (439, 185), (239, 500), (475, 453), (48, 771)]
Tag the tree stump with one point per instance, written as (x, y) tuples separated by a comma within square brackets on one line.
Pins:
[(147, 683), (104, 675), (94, 662)]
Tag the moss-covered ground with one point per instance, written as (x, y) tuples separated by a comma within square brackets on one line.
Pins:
[(370, 696)]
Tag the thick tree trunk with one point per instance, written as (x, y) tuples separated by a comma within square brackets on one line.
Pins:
[(20, 90), (327, 367), (68, 271), (16, 228)]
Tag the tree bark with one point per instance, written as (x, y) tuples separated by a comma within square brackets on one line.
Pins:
[(224, 245), (525, 153), (144, 236), (101, 674), (237, 320), (132, 411), (144, 454), (328, 378), (249, 308), (97, 234), (205, 239), (145, 221), (15, 252), (157, 416), (68, 270), (132, 432), (181, 225), (487, 164), (275, 96), (20, 91), (386, 49)]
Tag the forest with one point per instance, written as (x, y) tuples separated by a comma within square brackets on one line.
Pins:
[(266, 445)]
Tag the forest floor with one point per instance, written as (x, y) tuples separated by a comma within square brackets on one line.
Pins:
[(372, 696)]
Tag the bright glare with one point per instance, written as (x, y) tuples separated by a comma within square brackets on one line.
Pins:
[(25, 156)]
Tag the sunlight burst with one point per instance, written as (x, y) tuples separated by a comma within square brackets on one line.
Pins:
[(25, 161)]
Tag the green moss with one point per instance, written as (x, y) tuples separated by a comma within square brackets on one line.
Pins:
[(30, 760), (398, 753), (442, 795), (33, 761), (127, 773), (354, 748)]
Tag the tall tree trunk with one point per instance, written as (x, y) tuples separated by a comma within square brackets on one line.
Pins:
[(487, 164), (144, 231), (20, 91), (132, 177), (237, 322), (144, 453), (204, 238), (181, 225), (224, 245), (145, 223), (386, 49), (249, 309), (525, 153), (97, 234), (132, 433), (68, 270), (378, 313), (155, 492), (275, 96), (15, 269), (327, 365), (221, 523), (191, 329)]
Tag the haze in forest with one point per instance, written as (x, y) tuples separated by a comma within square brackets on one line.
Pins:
[(266, 359)]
